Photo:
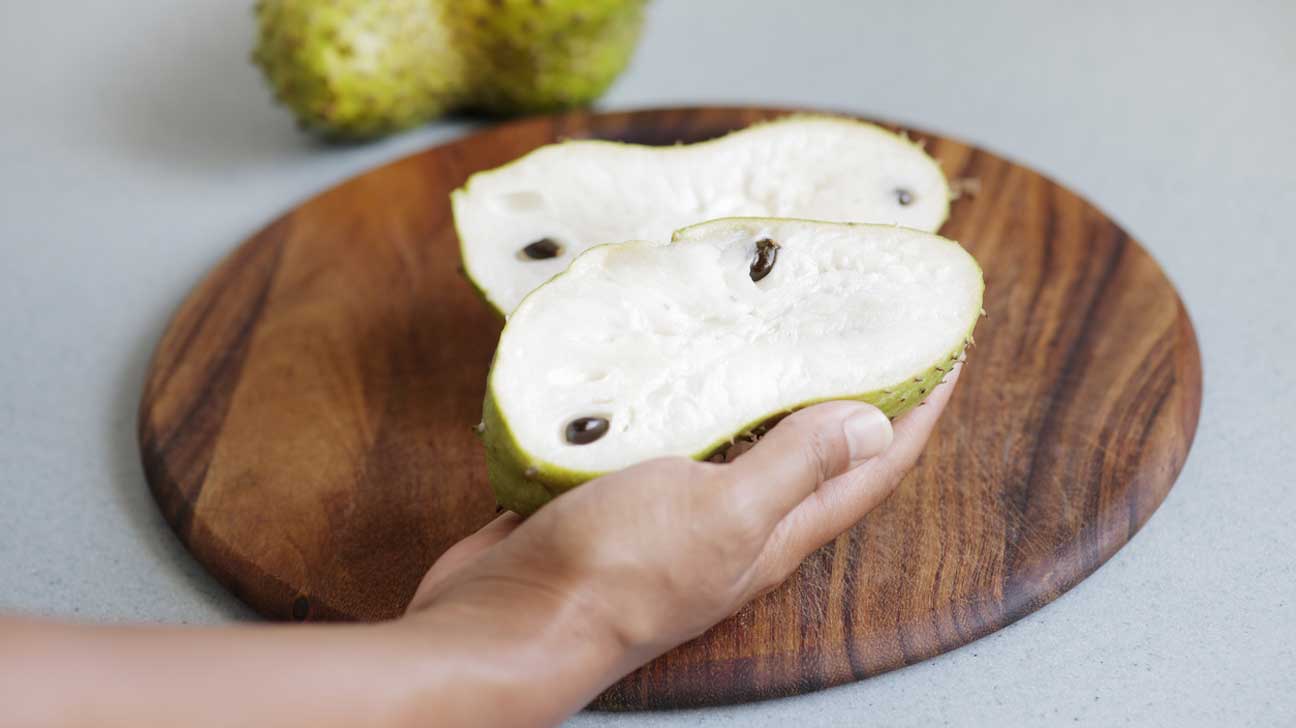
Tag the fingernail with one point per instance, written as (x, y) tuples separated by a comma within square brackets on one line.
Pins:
[(868, 434)]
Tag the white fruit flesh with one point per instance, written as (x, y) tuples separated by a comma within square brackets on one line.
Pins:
[(584, 193), (679, 349)]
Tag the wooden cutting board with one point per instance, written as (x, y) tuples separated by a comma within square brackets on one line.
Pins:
[(306, 422)]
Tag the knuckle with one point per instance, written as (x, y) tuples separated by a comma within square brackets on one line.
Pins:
[(753, 527), (745, 519)]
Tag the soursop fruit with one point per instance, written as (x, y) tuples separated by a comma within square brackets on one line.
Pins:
[(529, 56), (644, 349), (524, 222), (359, 68)]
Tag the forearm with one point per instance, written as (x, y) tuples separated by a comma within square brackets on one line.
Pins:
[(453, 665), (61, 674)]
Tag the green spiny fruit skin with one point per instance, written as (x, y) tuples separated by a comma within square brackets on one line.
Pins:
[(354, 69), (532, 56), (523, 487), (357, 69)]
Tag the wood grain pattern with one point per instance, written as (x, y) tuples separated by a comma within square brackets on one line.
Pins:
[(305, 424)]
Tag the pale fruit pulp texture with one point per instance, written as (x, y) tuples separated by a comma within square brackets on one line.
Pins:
[(679, 349), (581, 193)]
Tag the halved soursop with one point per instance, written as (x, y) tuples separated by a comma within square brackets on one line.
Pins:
[(523, 223), (645, 349)]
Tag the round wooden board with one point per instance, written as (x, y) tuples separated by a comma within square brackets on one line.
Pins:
[(306, 422)]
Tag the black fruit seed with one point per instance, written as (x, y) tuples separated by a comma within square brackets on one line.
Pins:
[(584, 430), (903, 196), (766, 254), (542, 249)]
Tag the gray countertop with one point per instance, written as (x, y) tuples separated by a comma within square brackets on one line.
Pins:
[(137, 145)]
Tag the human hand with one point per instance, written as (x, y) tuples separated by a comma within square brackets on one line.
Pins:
[(519, 624), (659, 552)]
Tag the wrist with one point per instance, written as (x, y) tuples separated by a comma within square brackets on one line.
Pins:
[(509, 652)]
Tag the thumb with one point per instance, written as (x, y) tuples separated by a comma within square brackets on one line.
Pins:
[(807, 448), (461, 554)]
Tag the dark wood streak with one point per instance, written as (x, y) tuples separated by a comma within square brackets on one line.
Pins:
[(848, 602), (934, 618), (224, 374), (198, 427), (1154, 416), (199, 325), (1063, 384), (305, 424), (1046, 269)]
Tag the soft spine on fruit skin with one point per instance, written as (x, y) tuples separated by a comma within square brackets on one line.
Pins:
[(355, 69), (523, 488)]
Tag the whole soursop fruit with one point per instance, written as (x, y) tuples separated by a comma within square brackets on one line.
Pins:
[(355, 69)]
